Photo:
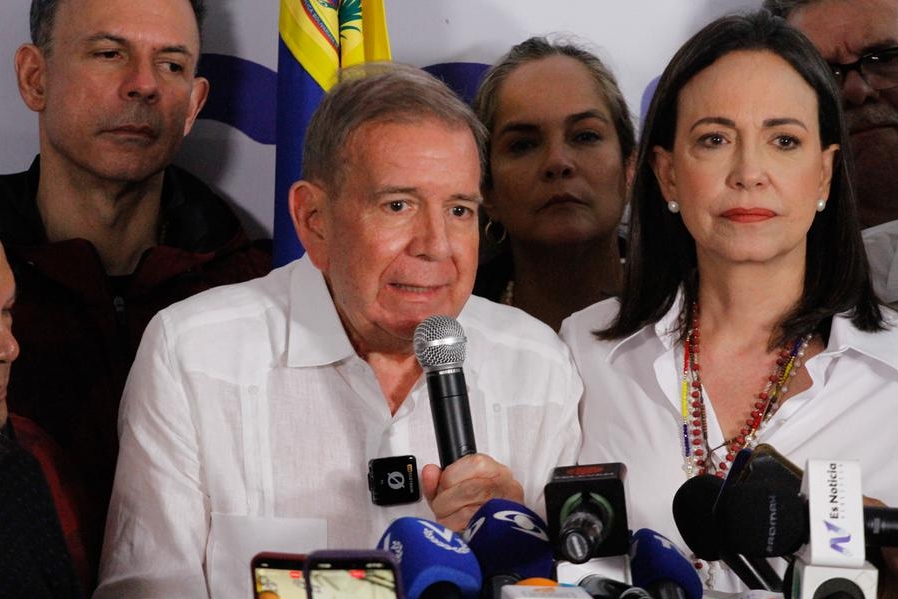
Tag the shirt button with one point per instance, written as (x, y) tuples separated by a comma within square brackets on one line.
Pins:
[(253, 390)]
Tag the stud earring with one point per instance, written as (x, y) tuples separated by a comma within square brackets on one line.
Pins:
[(821, 205), (673, 206)]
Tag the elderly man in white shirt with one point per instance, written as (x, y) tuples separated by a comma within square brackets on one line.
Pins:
[(252, 412)]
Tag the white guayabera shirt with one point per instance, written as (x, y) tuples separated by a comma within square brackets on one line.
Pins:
[(248, 421)]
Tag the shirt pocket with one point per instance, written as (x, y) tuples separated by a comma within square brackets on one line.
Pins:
[(235, 539)]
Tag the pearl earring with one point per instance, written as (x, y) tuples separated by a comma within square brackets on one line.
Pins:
[(821, 205), (673, 206)]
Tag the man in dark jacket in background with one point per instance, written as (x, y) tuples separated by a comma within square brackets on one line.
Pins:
[(101, 231)]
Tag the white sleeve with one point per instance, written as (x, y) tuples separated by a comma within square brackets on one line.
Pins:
[(158, 519)]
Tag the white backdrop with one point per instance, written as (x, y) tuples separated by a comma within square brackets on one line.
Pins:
[(634, 37)]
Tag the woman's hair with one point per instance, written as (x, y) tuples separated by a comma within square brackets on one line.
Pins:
[(661, 252), (486, 101)]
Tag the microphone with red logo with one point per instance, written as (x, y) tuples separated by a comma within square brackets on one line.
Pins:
[(587, 512)]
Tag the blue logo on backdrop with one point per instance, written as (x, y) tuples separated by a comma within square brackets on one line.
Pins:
[(243, 94)]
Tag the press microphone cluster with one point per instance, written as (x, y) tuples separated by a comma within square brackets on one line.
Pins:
[(508, 545), (814, 518), (826, 527), (440, 346), (505, 553)]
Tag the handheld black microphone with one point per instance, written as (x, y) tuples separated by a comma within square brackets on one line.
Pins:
[(693, 510), (587, 511), (439, 343)]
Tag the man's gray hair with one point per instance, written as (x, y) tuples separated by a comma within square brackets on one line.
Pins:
[(382, 92)]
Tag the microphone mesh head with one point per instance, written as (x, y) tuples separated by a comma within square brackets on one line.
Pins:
[(439, 342)]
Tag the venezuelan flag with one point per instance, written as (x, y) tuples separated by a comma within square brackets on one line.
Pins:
[(317, 38)]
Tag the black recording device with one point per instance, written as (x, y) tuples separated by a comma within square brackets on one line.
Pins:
[(393, 480), (587, 512)]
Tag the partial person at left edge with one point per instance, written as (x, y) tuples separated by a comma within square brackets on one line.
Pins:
[(102, 231), (34, 558)]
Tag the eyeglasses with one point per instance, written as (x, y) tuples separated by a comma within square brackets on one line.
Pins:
[(879, 69)]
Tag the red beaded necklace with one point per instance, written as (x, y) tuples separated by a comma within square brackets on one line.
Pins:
[(698, 456)]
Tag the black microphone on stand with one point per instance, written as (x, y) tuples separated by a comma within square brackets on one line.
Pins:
[(693, 511), (439, 343)]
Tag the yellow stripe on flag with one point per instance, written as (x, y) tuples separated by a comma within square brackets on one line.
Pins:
[(322, 42), (377, 39), (309, 30)]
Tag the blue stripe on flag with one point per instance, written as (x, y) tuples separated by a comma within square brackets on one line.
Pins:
[(297, 97)]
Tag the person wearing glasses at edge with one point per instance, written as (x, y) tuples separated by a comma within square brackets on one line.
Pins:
[(859, 40)]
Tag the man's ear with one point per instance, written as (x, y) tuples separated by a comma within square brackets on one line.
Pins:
[(662, 165), (198, 96), (309, 211), (31, 70)]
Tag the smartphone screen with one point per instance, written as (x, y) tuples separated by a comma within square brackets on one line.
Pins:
[(278, 576), (352, 574)]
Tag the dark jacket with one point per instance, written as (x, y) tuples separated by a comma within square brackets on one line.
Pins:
[(34, 561), (79, 329)]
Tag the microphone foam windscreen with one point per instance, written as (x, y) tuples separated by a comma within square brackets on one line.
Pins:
[(693, 510), (759, 521), (429, 553), (654, 560), (510, 539)]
